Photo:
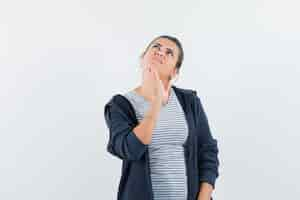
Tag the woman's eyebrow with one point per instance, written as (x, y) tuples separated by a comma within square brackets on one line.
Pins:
[(167, 48)]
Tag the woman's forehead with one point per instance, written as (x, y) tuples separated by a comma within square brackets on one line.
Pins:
[(166, 43)]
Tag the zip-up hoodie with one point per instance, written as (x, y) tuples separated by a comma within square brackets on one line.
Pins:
[(200, 148)]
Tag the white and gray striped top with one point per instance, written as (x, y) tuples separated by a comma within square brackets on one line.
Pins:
[(166, 153)]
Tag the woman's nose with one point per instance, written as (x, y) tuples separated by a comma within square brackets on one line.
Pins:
[(160, 53)]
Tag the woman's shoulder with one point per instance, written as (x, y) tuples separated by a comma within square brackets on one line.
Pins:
[(122, 99), (190, 91)]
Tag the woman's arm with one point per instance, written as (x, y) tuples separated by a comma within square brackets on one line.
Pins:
[(145, 128), (127, 142), (208, 161)]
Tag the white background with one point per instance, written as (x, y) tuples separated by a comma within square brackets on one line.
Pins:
[(61, 61)]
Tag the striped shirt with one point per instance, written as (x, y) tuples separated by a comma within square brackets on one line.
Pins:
[(166, 152)]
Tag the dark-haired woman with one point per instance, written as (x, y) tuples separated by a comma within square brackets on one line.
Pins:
[(161, 132)]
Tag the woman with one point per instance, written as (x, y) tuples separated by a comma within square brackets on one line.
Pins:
[(161, 133)]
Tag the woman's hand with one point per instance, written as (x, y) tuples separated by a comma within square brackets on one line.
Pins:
[(152, 85), (203, 197), (205, 191)]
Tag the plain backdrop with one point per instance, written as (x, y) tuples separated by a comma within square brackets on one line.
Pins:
[(61, 61)]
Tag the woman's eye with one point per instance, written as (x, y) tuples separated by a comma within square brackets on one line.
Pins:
[(170, 53)]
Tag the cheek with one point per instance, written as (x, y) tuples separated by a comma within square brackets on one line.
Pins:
[(166, 69), (171, 63)]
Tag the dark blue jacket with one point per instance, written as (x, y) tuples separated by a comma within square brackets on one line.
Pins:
[(200, 148)]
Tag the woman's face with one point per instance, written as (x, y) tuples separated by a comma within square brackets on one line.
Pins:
[(162, 54)]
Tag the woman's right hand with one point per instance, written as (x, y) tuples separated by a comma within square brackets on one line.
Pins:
[(153, 85)]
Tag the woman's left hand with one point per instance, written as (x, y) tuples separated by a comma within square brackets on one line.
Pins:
[(205, 191), (203, 196)]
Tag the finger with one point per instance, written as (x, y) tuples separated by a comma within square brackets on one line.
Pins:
[(149, 69), (154, 70), (146, 68), (156, 74), (148, 75)]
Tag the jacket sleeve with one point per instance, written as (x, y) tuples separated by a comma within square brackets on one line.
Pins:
[(208, 161), (122, 142)]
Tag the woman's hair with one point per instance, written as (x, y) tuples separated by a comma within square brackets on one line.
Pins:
[(178, 44)]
